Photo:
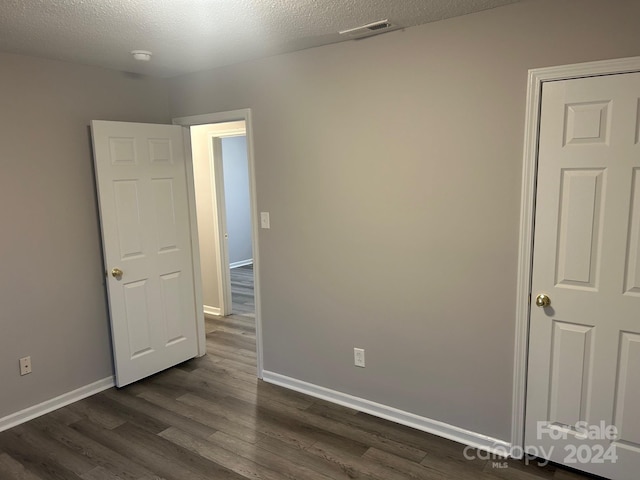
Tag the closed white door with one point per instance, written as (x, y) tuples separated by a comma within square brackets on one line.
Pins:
[(142, 189), (584, 347)]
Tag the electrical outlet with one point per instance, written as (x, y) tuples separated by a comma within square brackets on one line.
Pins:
[(25, 365), (358, 357)]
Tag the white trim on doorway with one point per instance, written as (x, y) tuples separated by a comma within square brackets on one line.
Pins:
[(215, 311), (241, 263), (195, 248), (527, 211), (232, 116)]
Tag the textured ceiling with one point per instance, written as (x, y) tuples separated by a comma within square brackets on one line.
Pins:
[(191, 35)]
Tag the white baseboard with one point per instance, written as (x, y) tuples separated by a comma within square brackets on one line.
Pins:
[(211, 310), (55, 403), (241, 263), (435, 427)]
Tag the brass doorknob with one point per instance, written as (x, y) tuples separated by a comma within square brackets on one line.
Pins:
[(543, 300), (116, 273)]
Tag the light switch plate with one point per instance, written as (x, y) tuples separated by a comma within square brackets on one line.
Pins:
[(264, 220)]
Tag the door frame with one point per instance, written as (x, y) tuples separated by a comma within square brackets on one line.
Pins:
[(224, 117), (537, 77)]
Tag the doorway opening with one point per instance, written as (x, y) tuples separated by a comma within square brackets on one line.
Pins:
[(225, 200), (237, 213)]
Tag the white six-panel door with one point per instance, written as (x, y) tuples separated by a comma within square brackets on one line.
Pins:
[(142, 189), (584, 348)]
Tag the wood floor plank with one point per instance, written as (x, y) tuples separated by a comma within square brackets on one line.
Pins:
[(14, 470), (403, 466), (305, 431), (215, 421), (398, 433), (314, 462), (32, 459), (234, 341), (54, 450), (242, 290), (230, 460), (282, 413), (166, 416), (228, 351), (213, 329), (113, 404), (96, 452), (252, 389), (236, 322), (183, 460), (175, 382), (566, 474), (64, 415), (168, 462), (454, 464), (266, 458), (227, 362), (289, 433), (354, 463), (100, 473), (212, 364), (519, 470), (241, 356), (88, 410)]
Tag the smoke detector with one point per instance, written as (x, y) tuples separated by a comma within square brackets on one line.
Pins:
[(369, 29), (141, 55)]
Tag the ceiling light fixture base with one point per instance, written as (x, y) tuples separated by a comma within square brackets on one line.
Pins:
[(141, 55)]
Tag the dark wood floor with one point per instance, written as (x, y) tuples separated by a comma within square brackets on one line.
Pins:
[(242, 291), (210, 418)]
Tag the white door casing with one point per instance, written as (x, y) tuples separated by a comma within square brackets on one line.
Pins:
[(584, 348), (536, 79), (145, 219)]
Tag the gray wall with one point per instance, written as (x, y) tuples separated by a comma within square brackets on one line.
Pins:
[(237, 199), (51, 274), (391, 167)]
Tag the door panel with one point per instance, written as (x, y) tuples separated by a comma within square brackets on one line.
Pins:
[(138, 320), (570, 372), (584, 348), (128, 218), (579, 230), (144, 210), (632, 283), (627, 417)]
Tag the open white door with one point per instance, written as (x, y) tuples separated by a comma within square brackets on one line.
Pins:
[(144, 210), (583, 387)]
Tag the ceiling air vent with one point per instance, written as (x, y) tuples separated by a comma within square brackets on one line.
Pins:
[(374, 28)]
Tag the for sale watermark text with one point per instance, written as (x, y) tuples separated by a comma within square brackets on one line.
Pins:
[(570, 444)]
